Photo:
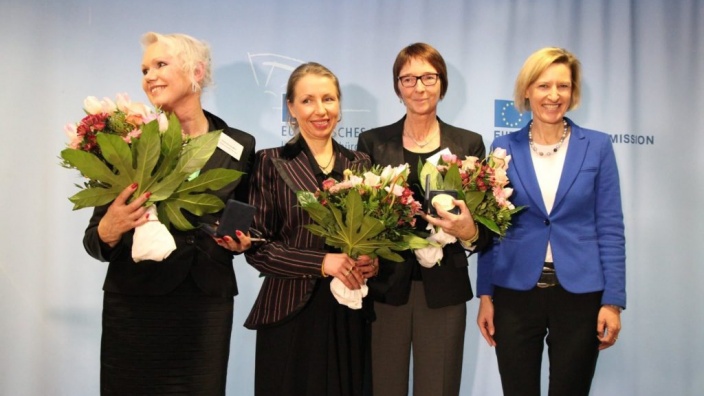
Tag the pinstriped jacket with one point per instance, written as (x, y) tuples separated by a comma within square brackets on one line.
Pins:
[(291, 260)]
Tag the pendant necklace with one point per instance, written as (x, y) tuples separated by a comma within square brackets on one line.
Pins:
[(428, 138), (322, 168), (554, 150)]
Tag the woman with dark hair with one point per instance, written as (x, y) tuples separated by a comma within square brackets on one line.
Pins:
[(417, 308)]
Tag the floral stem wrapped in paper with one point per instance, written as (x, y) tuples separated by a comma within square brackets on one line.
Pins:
[(122, 143), (369, 213), (482, 184)]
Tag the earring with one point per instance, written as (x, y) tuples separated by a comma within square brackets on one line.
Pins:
[(194, 87)]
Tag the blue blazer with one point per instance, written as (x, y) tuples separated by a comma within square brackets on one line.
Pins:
[(585, 227)]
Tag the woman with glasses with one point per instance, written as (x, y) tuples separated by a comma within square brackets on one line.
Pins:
[(422, 309)]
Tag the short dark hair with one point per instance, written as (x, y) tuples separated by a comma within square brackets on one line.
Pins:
[(424, 52)]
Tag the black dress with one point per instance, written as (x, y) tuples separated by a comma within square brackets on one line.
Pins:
[(319, 352), (167, 324)]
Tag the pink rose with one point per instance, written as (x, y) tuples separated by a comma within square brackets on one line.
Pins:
[(328, 183)]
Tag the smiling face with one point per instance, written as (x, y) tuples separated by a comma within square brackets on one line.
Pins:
[(420, 99), (165, 82), (550, 95), (315, 106)]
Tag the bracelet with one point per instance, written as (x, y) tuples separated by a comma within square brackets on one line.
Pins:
[(470, 241), (322, 269)]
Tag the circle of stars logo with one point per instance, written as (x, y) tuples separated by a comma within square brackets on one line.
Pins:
[(509, 113)]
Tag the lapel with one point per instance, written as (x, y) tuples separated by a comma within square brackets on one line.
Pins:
[(390, 146), (449, 139), (296, 173), (522, 165), (576, 152)]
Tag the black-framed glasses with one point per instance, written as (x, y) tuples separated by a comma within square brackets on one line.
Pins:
[(428, 80)]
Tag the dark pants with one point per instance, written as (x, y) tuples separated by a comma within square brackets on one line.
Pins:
[(566, 321)]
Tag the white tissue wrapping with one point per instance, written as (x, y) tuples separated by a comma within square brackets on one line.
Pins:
[(152, 240), (345, 296)]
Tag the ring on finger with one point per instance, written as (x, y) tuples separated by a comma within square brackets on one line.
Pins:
[(349, 271)]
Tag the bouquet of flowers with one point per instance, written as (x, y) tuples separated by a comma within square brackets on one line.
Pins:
[(482, 184), (368, 213), (120, 143)]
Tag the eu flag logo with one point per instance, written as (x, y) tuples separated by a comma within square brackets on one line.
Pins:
[(506, 115)]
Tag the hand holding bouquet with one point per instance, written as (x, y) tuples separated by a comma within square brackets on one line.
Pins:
[(368, 213), (481, 184), (118, 144)]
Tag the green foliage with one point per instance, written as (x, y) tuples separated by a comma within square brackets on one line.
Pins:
[(355, 232), (159, 163)]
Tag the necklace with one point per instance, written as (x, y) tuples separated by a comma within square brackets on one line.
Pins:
[(554, 150), (428, 138), (323, 168)]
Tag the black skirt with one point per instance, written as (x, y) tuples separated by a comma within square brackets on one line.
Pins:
[(174, 344), (321, 351)]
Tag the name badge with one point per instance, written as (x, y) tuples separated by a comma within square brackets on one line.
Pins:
[(230, 146)]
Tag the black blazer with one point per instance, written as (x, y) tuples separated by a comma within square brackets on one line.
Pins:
[(445, 284), (291, 261), (196, 252)]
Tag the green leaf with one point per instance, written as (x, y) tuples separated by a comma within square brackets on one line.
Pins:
[(118, 154), (213, 179), (488, 223), (89, 165), (316, 230), (387, 254), (175, 217), (147, 149), (435, 177), (355, 212), (171, 144), (198, 204), (164, 188), (197, 152), (94, 197), (453, 180), (473, 199), (319, 213)]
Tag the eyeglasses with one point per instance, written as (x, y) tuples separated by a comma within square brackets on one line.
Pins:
[(427, 79)]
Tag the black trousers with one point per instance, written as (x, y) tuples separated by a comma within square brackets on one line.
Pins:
[(526, 320)]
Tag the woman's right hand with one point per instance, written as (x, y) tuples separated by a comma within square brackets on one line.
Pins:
[(122, 216), (485, 319), (344, 268)]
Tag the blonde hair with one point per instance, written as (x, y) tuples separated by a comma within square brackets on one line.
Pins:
[(302, 71), (188, 50), (536, 64)]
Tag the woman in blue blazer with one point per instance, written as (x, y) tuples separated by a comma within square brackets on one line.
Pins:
[(558, 276)]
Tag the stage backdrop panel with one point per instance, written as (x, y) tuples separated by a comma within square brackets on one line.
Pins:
[(643, 66)]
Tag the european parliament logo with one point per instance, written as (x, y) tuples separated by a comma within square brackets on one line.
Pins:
[(506, 115)]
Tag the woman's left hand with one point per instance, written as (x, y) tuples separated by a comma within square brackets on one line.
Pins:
[(460, 226), (608, 325), (368, 266), (234, 245)]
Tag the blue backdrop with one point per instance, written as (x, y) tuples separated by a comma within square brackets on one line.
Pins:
[(643, 65)]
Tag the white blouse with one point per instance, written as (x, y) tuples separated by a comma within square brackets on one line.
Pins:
[(548, 169)]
